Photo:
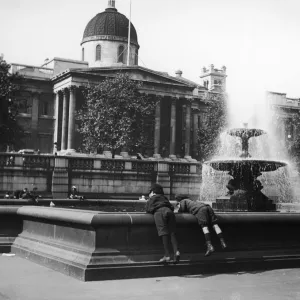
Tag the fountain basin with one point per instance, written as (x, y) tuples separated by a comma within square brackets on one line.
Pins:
[(96, 246)]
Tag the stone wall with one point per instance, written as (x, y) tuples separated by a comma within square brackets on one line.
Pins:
[(96, 176)]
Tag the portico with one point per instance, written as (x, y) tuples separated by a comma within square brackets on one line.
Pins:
[(176, 115)]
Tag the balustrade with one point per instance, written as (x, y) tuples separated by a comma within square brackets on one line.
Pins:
[(81, 163), (143, 167), (112, 165), (37, 161), (7, 160), (179, 168)]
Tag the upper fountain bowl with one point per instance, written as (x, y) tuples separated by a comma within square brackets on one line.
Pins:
[(245, 132), (254, 164)]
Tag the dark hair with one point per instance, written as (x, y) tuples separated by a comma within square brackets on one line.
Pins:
[(157, 189), (180, 197)]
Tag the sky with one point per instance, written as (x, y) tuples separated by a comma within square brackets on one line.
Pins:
[(257, 40)]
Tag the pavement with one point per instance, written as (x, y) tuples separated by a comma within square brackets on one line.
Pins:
[(21, 279)]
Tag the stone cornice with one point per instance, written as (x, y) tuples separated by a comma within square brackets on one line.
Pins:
[(108, 38)]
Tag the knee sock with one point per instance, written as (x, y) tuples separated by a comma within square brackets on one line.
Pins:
[(206, 234), (165, 239), (174, 243), (218, 231)]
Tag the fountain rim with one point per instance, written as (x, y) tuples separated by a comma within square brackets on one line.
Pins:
[(245, 161)]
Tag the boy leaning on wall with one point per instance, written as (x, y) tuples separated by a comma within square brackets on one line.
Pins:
[(164, 217), (206, 218)]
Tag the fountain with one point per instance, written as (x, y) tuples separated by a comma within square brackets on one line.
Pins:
[(244, 188)]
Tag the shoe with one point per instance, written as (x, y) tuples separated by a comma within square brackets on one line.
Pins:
[(223, 244), (165, 259), (210, 249), (177, 257)]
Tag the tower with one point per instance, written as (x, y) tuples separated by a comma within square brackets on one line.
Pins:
[(214, 79)]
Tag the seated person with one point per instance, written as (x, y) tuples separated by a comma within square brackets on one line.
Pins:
[(34, 195), (25, 194), (74, 194), (17, 194), (7, 195)]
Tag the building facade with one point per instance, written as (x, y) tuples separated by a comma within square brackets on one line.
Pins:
[(51, 93)]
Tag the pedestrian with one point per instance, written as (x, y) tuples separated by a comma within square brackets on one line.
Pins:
[(206, 217), (25, 194), (164, 217)]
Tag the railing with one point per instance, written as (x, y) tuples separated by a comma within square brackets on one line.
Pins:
[(112, 165), (7, 160), (31, 161), (36, 161), (31, 70), (143, 167), (179, 168), (81, 163)]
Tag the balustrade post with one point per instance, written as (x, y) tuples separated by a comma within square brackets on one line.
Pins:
[(60, 178)]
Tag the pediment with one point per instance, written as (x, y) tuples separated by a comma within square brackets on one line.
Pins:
[(136, 73)]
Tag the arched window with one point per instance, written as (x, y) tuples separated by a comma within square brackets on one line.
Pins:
[(121, 54), (98, 52), (82, 54)]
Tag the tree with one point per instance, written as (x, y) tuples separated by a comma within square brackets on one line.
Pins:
[(116, 115), (10, 132), (212, 126)]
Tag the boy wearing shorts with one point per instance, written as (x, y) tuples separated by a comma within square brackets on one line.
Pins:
[(164, 217), (205, 216)]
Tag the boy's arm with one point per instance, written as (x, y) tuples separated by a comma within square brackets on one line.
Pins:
[(182, 206), (147, 207)]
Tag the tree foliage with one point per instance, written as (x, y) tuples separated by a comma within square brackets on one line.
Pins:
[(10, 132), (115, 115), (212, 126)]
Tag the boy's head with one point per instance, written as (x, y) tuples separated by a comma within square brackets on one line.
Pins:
[(156, 189), (180, 197)]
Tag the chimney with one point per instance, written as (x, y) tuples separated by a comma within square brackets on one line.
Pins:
[(111, 3), (178, 73)]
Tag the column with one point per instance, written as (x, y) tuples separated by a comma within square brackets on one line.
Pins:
[(157, 129), (57, 121), (173, 129), (188, 130), (35, 120), (195, 132), (71, 127), (64, 121)]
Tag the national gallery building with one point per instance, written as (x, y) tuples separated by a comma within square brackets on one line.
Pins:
[(51, 93)]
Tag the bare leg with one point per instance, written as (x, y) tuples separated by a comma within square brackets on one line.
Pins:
[(165, 239)]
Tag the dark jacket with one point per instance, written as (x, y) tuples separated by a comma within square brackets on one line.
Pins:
[(189, 206), (156, 202)]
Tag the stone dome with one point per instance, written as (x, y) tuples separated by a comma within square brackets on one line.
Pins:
[(109, 25)]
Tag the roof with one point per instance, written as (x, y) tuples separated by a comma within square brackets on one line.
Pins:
[(109, 23)]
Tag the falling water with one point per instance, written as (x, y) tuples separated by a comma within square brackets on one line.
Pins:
[(278, 185)]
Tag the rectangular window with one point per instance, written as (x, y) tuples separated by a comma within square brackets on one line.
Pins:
[(24, 106), (45, 108)]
